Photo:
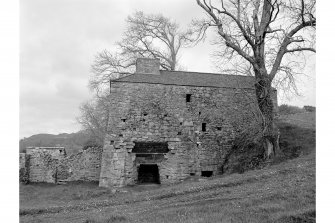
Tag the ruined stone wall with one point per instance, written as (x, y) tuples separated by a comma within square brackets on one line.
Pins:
[(160, 113), (22, 160), (23, 168), (83, 166), (43, 164), (51, 165)]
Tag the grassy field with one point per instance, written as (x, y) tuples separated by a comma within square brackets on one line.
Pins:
[(284, 192)]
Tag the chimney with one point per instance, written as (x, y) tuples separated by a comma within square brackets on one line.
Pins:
[(147, 66)]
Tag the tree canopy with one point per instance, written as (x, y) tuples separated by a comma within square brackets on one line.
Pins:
[(146, 35)]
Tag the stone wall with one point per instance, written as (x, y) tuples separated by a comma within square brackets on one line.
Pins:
[(22, 160), (147, 66), (43, 163), (50, 165), (23, 168), (83, 166), (160, 113)]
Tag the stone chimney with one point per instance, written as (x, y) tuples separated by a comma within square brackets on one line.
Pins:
[(147, 66)]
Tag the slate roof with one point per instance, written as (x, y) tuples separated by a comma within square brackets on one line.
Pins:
[(183, 78)]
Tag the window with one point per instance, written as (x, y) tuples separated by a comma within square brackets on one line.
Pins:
[(219, 128), (188, 97), (192, 174), (123, 119), (179, 133), (203, 127)]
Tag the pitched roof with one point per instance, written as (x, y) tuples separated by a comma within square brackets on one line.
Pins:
[(183, 78)]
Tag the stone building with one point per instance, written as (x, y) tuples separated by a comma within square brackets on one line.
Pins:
[(165, 126)]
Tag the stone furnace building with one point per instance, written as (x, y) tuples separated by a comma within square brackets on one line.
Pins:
[(165, 126)]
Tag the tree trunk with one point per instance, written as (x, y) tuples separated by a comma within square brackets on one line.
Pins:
[(270, 130)]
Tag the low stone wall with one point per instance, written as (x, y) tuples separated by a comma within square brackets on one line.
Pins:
[(83, 166), (50, 165), (42, 166), (24, 172)]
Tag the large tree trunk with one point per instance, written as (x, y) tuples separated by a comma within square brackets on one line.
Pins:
[(270, 136)]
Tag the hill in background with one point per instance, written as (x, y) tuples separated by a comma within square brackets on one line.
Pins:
[(72, 142)]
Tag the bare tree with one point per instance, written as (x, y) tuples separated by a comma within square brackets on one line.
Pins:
[(146, 35), (94, 117), (261, 36)]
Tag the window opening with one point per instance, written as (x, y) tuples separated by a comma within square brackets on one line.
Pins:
[(203, 127), (188, 97)]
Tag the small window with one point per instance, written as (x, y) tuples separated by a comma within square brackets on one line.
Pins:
[(203, 127), (179, 133), (111, 142), (120, 135), (181, 123), (219, 128), (192, 174), (167, 177), (145, 114), (206, 173), (188, 97), (123, 119), (199, 113)]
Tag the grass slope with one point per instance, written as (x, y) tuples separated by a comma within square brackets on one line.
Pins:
[(279, 193)]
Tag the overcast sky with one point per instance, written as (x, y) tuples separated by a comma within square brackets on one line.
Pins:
[(58, 42)]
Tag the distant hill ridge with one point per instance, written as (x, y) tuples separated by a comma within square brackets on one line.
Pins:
[(73, 142)]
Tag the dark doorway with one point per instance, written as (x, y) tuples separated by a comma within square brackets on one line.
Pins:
[(206, 173), (148, 173)]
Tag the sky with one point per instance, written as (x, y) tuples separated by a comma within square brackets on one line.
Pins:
[(60, 38)]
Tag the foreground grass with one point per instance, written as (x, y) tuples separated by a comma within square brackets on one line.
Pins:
[(279, 193)]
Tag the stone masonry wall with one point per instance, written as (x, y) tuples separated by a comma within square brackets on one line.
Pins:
[(160, 113), (43, 164), (83, 166), (23, 168)]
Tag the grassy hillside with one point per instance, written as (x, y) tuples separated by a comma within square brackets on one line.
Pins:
[(278, 193), (73, 142)]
